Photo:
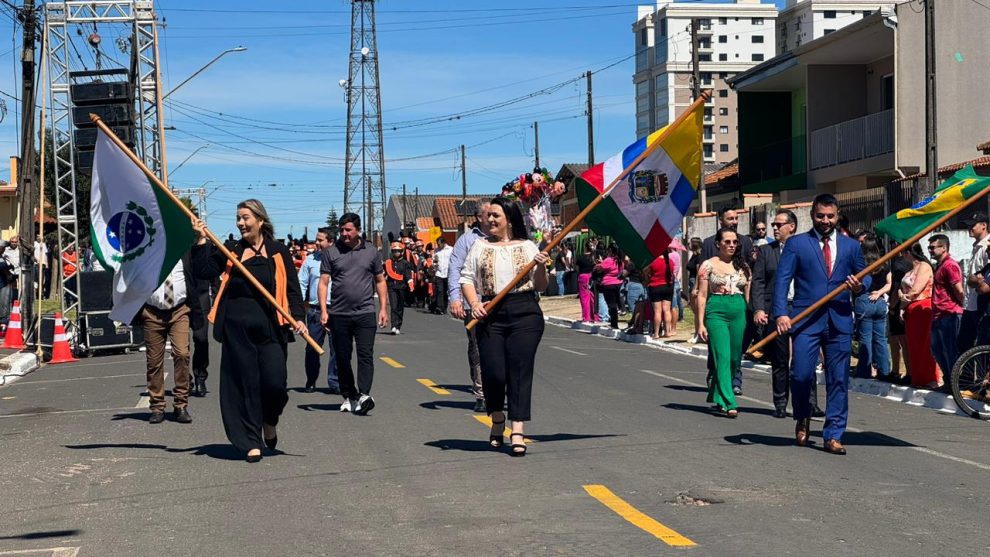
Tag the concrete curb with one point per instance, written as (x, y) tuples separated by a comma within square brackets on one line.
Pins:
[(15, 366), (908, 395)]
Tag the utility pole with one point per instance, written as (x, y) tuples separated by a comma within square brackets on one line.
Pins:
[(591, 125), (370, 223), (536, 142), (695, 93), (931, 113), (27, 170), (463, 175), (415, 225), (405, 209)]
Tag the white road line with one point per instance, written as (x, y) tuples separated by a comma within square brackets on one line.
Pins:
[(104, 364), (66, 412), (569, 351), (923, 450), (79, 379)]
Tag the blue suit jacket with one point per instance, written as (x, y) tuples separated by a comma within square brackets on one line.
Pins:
[(802, 260)]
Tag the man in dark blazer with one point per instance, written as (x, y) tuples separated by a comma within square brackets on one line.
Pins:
[(817, 262), (761, 298)]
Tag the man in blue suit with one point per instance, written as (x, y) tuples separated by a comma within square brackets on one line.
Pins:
[(819, 261)]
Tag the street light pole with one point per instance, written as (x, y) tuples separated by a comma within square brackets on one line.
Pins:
[(186, 159), (208, 64)]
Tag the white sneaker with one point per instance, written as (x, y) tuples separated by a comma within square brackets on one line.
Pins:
[(693, 340), (346, 405), (395, 331), (364, 405)]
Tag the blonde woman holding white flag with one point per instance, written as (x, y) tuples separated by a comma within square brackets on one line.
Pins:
[(253, 335)]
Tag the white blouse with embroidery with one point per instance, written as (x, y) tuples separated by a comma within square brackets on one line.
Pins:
[(489, 267)]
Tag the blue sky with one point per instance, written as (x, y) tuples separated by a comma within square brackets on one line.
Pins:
[(274, 114)]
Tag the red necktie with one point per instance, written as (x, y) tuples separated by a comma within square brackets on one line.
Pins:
[(827, 254)]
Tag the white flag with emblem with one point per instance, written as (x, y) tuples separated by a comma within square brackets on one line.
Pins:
[(138, 232)]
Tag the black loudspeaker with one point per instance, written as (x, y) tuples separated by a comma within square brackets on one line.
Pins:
[(96, 289), (112, 114), (85, 139), (47, 330), (85, 94)]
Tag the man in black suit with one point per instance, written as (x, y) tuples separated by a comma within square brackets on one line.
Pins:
[(761, 297)]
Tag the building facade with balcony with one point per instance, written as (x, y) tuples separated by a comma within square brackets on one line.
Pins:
[(732, 37), (846, 112), (802, 21)]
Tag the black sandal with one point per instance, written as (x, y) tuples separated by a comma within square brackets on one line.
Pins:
[(496, 441), (517, 449)]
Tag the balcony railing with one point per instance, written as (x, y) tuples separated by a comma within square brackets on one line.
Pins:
[(852, 140)]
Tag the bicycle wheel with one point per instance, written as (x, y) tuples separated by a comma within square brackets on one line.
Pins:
[(971, 382)]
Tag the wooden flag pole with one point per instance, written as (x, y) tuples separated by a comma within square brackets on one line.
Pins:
[(874, 266), (705, 95), (284, 312)]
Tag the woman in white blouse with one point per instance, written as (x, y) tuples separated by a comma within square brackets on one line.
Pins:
[(508, 336)]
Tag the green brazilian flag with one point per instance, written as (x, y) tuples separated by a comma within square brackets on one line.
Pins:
[(950, 194)]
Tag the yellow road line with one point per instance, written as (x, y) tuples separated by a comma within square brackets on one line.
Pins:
[(433, 387), (507, 433), (391, 362), (631, 514)]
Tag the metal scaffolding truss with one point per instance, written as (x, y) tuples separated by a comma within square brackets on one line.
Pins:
[(137, 19), (364, 173)]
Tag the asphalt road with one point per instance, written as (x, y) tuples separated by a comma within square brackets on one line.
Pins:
[(625, 460)]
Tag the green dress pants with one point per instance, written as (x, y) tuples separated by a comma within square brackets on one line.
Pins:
[(725, 319)]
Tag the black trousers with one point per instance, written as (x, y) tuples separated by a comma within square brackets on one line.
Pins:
[(507, 342), (969, 325), (440, 294), (201, 342), (348, 331), (779, 352), (611, 294), (252, 373), (397, 305)]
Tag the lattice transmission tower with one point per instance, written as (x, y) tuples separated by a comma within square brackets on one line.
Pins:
[(364, 170)]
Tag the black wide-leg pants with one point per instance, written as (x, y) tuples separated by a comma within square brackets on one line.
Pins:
[(507, 341), (252, 374)]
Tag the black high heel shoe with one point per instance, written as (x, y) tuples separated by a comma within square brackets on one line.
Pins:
[(496, 441), (517, 449), (252, 458), (271, 443)]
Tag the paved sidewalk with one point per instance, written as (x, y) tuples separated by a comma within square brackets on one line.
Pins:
[(909, 395)]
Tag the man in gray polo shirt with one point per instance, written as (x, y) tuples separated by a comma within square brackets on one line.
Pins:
[(355, 267)]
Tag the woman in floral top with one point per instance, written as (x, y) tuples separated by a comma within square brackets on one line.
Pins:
[(509, 336), (723, 292)]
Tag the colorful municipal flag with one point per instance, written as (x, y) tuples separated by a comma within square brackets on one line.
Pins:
[(645, 209), (950, 194), (137, 231)]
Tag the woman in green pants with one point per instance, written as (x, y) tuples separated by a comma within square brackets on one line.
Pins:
[(723, 291)]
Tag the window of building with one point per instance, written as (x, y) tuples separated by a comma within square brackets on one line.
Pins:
[(723, 111), (723, 20), (887, 88), (723, 57), (723, 148), (708, 132), (723, 38), (644, 37), (724, 93), (722, 75), (757, 21), (723, 129), (829, 14), (709, 152), (705, 57), (705, 43), (827, 31), (758, 39), (662, 27), (708, 114), (758, 57), (867, 13), (705, 24)]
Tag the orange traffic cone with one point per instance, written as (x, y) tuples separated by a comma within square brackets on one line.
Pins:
[(61, 352), (14, 338)]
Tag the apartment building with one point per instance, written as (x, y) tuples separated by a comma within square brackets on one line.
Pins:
[(732, 37), (802, 21)]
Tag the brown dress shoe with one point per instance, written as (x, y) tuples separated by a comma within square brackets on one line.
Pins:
[(834, 446), (801, 429)]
